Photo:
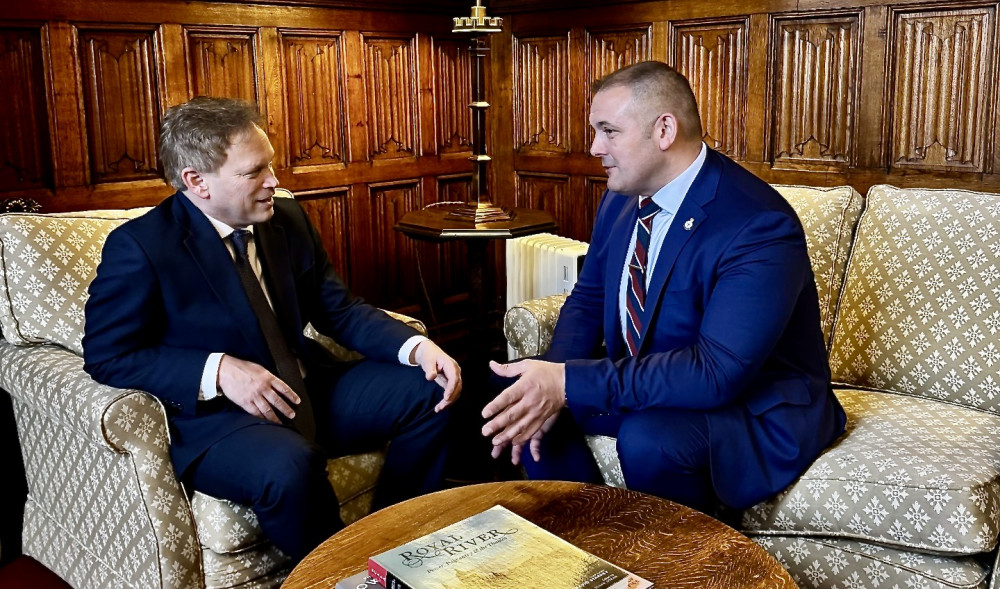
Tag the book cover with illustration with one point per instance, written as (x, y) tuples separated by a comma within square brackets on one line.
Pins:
[(496, 549)]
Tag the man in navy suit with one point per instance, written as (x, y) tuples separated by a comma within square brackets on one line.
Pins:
[(202, 302), (693, 333)]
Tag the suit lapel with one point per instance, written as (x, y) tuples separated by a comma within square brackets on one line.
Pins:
[(272, 249), (687, 221), (210, 255), (621, 237)]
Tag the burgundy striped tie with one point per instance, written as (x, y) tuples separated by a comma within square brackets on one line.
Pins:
[(635, 299)]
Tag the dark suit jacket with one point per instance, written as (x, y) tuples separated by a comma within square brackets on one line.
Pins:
[(167, 294), (733, 329)]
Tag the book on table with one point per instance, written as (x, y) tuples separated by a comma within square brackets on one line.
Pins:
[(496, 549)]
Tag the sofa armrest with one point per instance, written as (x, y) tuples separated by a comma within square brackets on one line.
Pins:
[(341, 353), (97, 458), (528, 326)]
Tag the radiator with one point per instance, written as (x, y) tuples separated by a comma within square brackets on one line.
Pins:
[(542, 265)]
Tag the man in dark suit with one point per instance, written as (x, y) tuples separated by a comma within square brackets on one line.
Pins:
[(693, 333), (202, 302)]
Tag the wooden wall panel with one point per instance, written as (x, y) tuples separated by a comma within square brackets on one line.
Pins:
[(816, 79), (943, 71), (328, 211), (541, 94), (392, 282), (452, 95), (551, 192), (25, 159), (314, 98), (223, 62), (122, 108), (391, 95), (713, 56)]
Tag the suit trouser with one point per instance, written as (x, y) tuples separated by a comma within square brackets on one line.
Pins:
[(358, 407)]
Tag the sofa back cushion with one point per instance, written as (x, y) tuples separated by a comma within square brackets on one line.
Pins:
[(920, 311), (46, 265), (829, 217)]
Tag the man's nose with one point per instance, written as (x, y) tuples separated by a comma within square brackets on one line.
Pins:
[(597, 146), (271, 181)]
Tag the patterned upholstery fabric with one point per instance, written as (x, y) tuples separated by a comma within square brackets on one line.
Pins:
[(606, 454), (528, 325), (909, 472), (104, 507), (829, 216), (46, 264), (920, 312), (820, 563)]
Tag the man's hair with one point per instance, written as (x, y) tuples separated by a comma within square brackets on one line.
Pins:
[(198, 133), (657, 88)]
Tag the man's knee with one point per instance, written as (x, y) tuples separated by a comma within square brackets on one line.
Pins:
[(663, 440)]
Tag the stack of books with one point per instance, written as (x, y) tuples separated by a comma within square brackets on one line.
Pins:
[(494, 549)]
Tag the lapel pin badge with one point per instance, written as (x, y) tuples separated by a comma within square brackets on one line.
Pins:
[(689, 224)]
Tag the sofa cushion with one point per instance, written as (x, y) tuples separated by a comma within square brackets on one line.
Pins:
[(920, 313), (46, 265), (820, 563), (829, 217), (909, 472)]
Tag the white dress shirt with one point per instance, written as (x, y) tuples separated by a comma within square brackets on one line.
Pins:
[(669, 198), (210, 374)]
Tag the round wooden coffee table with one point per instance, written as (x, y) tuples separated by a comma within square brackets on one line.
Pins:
[(664, 542)]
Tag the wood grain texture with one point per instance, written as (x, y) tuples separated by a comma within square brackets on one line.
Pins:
[(25, 158), (328, 211), (391, 96), (541, 93), (122, 103), (223, 62), (664, 542), (815, 88), (713, 55), (942, 87), (312, 66), (452, 95), (393, 279)]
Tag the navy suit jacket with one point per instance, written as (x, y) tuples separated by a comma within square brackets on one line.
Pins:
[(167, 294), (732, 328)]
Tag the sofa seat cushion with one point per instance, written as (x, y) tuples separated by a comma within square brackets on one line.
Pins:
[(820, 563), (259, 567), (920, 313), (909, 472), (829, 217), (47, 262)]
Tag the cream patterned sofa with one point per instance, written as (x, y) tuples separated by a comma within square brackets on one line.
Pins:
[(104, 508), (909, 496)]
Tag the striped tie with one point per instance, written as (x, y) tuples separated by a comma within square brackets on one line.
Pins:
[(635, 300)]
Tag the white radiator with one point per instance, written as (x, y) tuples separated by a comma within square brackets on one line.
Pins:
[(541, 265)]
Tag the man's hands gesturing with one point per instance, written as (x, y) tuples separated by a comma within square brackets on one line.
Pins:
[(526, 410)]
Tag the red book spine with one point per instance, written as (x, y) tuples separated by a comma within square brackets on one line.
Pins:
[(384, 577)]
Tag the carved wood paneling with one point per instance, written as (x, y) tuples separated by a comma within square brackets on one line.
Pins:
[(551, 192), (390, 87), (815, 83), (452, 94), (25, 158), (713, 57), (328, 211), (314, 99), (121, 103), (942, 64), (390, 266), (611, 50), (541, 94), (223, 63), (452, 264), (595, 188)]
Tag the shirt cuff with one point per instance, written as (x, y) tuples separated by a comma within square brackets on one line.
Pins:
[(408, 345), (210, 377)]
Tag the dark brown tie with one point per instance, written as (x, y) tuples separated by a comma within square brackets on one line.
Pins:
[(284, 359)]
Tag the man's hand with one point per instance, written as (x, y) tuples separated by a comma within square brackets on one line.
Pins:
[(526, 410), (256, 390), (441, 368)]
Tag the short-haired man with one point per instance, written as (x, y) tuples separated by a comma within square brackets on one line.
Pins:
[(714, 378), (202, 302)]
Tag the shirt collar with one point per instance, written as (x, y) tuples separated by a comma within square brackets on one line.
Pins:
[(670, 197), (223, 229)]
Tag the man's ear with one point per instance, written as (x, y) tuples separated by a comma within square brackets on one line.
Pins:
[(666, 130), (195, 182)]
